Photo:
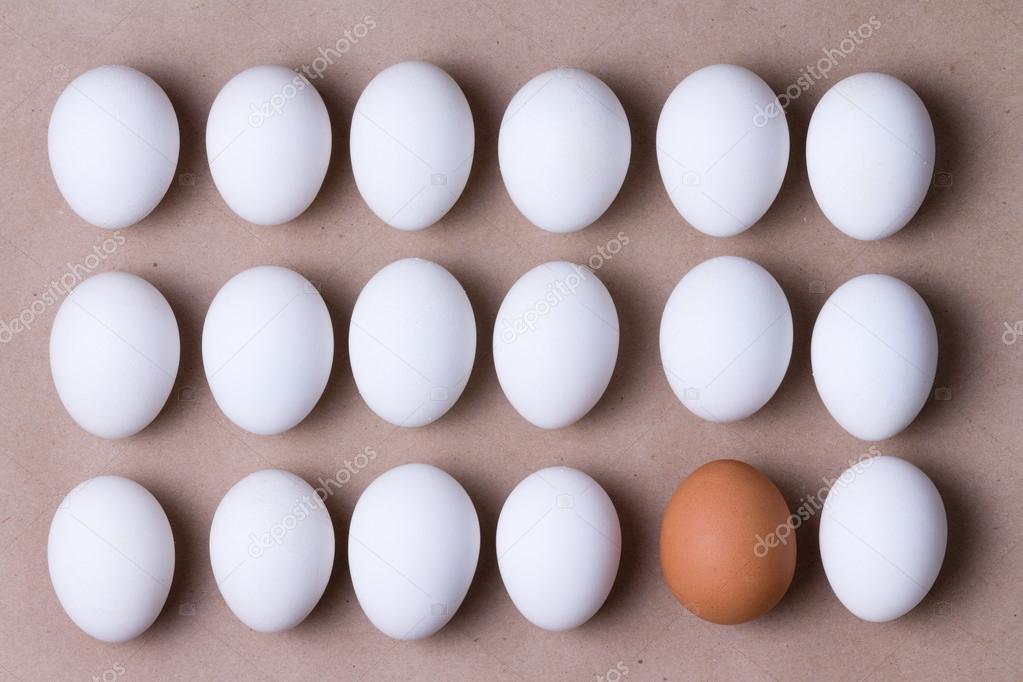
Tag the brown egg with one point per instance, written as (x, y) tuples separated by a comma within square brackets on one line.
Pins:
[(728, 551)]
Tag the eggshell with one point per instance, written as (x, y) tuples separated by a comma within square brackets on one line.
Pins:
[(564, 148), (723, 148), (267, 348), (412, 342), (413, 545), (870, 155), (114, 352), (268, 144), (728, 551), (874, 353), (111, 557), (556, 343), (882, 537), (412, 144), (113, 143), (272, 549), (558, 547), (726, 338)]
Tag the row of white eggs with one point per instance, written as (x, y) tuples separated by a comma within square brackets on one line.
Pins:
[(564, 148), (414, 543), (268, 347)]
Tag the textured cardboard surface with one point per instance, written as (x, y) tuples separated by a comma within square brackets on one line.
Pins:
[(962, 253)]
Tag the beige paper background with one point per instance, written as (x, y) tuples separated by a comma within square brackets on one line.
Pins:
[(962, 252)]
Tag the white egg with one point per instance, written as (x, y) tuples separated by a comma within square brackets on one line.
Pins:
[(722, 147), (113, 143), (726, 338), (556, 343), (111, 557), (874, 353), (413, 545), (412, 342), (267, 348), (412, 144), (558, 547), (268, 144), (870, 155), (564, 149), (272, 549), (882, 537), (114, 352)]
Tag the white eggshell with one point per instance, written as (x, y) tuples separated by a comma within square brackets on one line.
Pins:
[(722, 147), (111, 557), (412, 144), (870, 155), (267, 348), (114, 352), (874, 353), (412, 342), (726, 338), (556, 343), (882, 537), (113, 143), (558, 547), (413, 544), (564, 149), (272, 549), (268, 144)]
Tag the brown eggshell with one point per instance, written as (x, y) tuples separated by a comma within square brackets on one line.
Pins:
[(722, 552)]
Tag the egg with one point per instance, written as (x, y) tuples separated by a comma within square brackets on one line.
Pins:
[(113, 143), (413, 544), (722, 148), (556, 343), (111, 557), (874, 353), (114, 353), (564, 148), (726, 338), (558, 547), (412, 144), (268, 144), (267, 348), (870, 155), (412, 342), (882, 537), (272, 549), (728, 549)]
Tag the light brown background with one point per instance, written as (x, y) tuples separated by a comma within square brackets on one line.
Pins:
[(962, 253)]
